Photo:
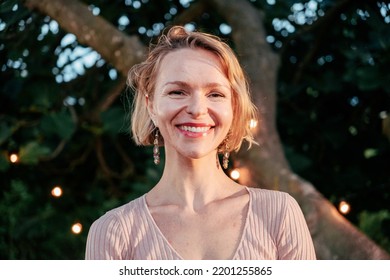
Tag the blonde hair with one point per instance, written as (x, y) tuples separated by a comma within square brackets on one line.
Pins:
[(142, 78)]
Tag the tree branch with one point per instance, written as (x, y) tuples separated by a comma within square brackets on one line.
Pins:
[(193, 12), (114, 93), (73, 16), (102, 162), (319, 28)]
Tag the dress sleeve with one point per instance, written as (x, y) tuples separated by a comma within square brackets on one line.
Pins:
[(105, 239), (295, 242)]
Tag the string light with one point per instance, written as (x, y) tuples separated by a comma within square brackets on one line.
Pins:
[(235, 174), (252, 124), (77, 228), (344, 207), (56, 191), (14, 158)]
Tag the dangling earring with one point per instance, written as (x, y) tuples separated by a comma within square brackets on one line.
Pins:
[(156, 152), (225, 158)]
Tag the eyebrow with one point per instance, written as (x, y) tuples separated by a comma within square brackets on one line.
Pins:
[(187, 85)]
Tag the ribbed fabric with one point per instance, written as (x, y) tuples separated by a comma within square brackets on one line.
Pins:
[(274, 229)]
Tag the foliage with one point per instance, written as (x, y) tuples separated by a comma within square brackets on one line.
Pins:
[(332, 110), (376, 225), (331, 114)]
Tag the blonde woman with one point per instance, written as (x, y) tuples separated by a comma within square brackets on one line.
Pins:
[(192, 98)]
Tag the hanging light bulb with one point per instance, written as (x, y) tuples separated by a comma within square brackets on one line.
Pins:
[(14, 158), (77, 228), (344, 207), (56, 191)]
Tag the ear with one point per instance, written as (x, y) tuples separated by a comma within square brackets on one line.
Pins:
[(149, 106)]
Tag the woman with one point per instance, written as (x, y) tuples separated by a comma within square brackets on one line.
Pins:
[(192, 98)]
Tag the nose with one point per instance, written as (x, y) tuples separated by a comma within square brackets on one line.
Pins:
[(197, 105)]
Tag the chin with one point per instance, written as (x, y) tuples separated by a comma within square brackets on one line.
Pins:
[(198, 154), (194, 155)]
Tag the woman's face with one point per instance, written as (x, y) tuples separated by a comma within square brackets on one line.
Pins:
[(192, 103)]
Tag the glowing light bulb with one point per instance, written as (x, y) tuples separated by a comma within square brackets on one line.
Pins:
[(14, 158), (252, 124), (344, 207), (77, 228), (56, 191), (235, 174)]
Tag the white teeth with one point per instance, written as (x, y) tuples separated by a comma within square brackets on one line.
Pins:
[(194, 129)]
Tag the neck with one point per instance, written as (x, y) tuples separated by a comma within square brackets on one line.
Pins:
[(192, 183)]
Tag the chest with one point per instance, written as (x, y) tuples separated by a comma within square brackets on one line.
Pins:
[(212, 234)]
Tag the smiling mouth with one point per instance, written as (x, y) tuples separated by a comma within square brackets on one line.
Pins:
[(194, 129)]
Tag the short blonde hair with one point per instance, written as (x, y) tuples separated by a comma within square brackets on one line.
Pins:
[(142, 79)]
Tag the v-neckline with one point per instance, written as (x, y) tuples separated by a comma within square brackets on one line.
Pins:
[(158, 230)]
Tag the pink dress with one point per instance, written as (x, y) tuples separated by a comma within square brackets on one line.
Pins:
[(274, 229)]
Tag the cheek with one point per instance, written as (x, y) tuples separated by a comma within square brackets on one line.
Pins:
[(162, 109), (165, 111), (227, 115)]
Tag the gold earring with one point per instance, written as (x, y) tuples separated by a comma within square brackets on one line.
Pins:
[(156, 152), (225, 158)]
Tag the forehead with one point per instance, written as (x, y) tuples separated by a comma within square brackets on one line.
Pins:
[(191, 64), (193, 54)]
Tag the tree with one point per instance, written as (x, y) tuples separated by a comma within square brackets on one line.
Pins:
[(290, 50)]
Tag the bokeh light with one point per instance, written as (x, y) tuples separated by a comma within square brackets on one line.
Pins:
[(77, 228), (14, 158), (252, 124), (56, 191), (235, 174), (344, 207)]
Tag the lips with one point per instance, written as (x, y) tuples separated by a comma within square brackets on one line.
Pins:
[(195, 130)]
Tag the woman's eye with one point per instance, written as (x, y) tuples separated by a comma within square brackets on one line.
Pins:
[(216, 95), (176, 93)]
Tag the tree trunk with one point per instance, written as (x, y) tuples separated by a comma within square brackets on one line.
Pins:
[(264, 165)]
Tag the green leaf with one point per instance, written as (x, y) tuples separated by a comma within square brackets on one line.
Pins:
[(32, 152), (94, 129), (39, 98), (4, 163), (113, 120), (297, 160), (368, 78), (7, 6), (386, 126), (60, 124), (5, 133), (371, 224), (369, 153), (14, 17)]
